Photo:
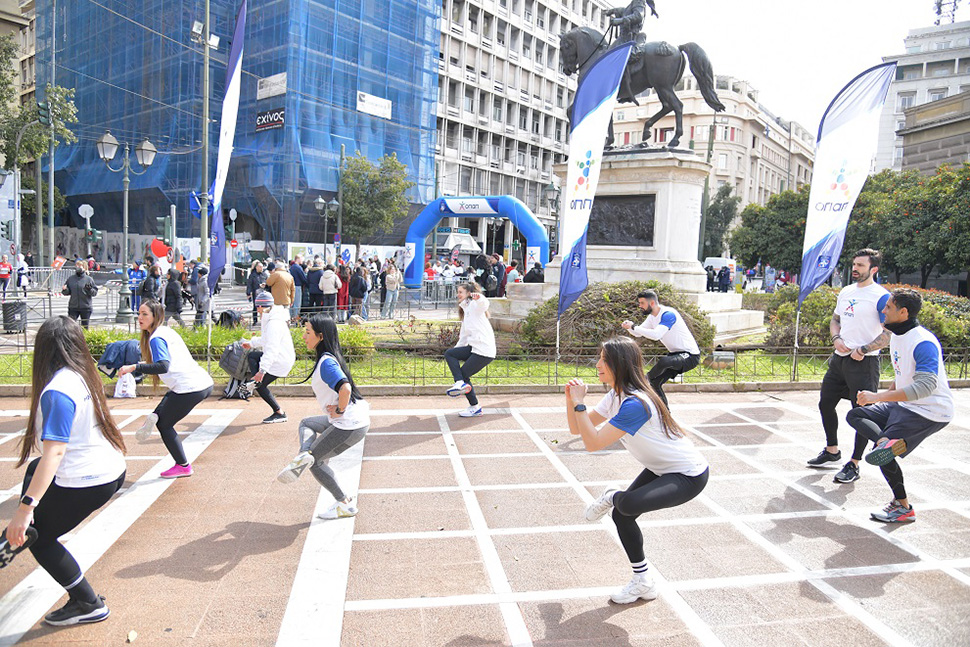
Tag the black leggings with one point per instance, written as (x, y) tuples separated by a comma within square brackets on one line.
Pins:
[(463, 372), (668, 367), (650, 492), (172, 408), (60, 511), (263, 390)]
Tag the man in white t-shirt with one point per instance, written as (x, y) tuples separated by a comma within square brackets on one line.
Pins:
[(666, 325), (917, 404), (857, 336)]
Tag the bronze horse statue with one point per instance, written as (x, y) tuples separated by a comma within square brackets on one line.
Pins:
[(654, 65)]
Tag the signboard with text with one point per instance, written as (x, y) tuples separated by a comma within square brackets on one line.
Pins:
[(269, 119)]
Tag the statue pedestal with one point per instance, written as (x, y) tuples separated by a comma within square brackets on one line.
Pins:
[(646, 219)]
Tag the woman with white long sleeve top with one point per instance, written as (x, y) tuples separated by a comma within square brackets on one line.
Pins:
[(475, 347), (277, 357)]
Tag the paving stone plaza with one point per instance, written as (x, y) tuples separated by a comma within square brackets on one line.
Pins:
[(471, 533)]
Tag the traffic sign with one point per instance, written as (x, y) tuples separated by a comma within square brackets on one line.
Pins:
[(85, 211), (233, 243), (13, 248), (336, 239)]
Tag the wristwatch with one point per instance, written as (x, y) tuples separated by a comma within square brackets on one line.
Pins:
[(29, 501), (339, 411), (579, 407)]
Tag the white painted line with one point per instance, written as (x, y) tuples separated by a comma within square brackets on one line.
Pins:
[(429, 457), (514, 622), (693, 622), (8, 437), (25, 604), (315, 609), (509, 598)]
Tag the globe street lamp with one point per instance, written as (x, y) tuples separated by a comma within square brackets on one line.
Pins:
[(145, 154), (332, 208), (551, 194)]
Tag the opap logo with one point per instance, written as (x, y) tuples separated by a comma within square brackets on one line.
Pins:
[(584, 166)]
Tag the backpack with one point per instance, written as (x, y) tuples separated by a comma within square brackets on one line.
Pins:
[(236, 390), (144, 289), (491, 283), (235, 361), (230, 319)]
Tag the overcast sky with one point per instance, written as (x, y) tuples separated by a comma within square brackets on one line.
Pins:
[(798, 55)]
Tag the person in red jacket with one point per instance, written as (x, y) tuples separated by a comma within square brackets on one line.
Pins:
[(5, 270)]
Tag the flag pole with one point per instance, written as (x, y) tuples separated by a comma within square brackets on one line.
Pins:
[(558, 320), (794, 365)]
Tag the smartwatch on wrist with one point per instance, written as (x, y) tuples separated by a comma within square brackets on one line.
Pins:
[(29, 501), (579, 407)]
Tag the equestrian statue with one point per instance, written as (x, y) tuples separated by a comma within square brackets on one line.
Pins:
[(656, 65)]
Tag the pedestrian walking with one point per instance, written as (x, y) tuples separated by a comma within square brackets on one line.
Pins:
[(315, 302), (280, 284), (918, 404), (80, 468), (330, 286), (343, 293), (255, 282), (344, 424), (857, 336), (674, 472), (81, 289), (358, 291), (165, 356), (151, 286), (273, 352), (666, 325), (6, 269), (475, 347), (135, 277), (173, 298), (724, 278), (203, 296)]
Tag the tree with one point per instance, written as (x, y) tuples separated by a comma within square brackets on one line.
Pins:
[(721, 212), (773, 233), (374, 196), (28, 206)]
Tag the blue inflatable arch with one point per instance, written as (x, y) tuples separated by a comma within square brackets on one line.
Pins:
[(503, 206)]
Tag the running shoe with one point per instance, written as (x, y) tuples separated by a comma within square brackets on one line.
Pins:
[(76, 612), (472, 412), (294, 469), (177, 471), (848, 473), (8, 552), (887, 449), (639, 588), (895, 512), (598, 508), (824, 459), (340, 510), (459, 388), (147, 429), (276, 417)]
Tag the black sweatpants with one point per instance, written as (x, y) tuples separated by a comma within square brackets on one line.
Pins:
[(890, 420), (650, 492), (172, 408), (668, 367), (83, 313), (463, 372), (60, 511), (843, 380)]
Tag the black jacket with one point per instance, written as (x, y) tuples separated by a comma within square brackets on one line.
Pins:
[(358, 287), (81, 289), (534, 276), (313, 281), (254, 281), (173, 296)]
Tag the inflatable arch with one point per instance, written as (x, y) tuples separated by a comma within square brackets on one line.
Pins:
[(503, 206)]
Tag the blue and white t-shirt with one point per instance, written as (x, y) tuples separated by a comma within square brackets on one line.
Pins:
[(860, 314), (918, 351), (184, 373), (645, 437), (669, 328), (67, 416), (326, 379)]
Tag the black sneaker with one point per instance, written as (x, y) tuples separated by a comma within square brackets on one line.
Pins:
[(849, 473), (276, 417), (76, 612), (824, 458), (8, 552)]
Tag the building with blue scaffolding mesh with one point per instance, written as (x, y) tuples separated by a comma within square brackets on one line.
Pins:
[(138, 73)]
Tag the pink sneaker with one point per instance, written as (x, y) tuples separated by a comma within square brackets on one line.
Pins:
[(177, 471)]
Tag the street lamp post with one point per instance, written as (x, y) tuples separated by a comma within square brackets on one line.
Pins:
[(333, 207), (145, 154), (551, 193)]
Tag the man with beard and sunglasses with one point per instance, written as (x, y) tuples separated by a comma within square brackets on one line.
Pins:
[(857, 336)]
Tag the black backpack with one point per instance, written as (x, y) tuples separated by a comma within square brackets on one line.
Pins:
[(491, 283), (230, 319)]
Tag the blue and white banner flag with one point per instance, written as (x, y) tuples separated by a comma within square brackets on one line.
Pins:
[(589, 123), (227, 132), (847, 140)]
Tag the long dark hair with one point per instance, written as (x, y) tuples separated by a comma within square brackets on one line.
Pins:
[(625, 361), (158, 318), (60, 344), (329, 344)]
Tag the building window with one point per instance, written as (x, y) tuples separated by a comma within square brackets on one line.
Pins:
[(497, 109), (900, 125), (453, 94), (559, 101), (722, 161), (914, 49), (469, 100), (905, 100), (621, 116), (943, 44), (626, 138), (523, 118), (936, 95)]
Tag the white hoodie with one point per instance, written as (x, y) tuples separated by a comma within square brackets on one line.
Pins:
[(329, 282), (476, 330), (276, 342)]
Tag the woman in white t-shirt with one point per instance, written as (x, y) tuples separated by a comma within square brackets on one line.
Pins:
[(346, 421), (81, 466), (165, 355), (674, 471), (475, 347)]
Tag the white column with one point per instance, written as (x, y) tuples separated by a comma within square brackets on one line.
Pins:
[(507, 252)]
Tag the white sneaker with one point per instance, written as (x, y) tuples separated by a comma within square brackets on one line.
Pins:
[(459, 388), (472, 411), (147, 429), (295, 468), (598, 508), (637, 589), (340, 510)]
